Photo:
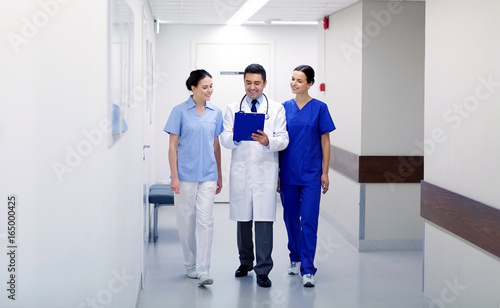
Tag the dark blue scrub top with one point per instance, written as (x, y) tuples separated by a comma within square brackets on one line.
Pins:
[(301, 162)]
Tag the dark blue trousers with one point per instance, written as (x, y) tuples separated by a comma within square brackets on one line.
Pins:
[(301, 214)]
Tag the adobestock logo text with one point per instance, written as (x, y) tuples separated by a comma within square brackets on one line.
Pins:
[(31, 26)]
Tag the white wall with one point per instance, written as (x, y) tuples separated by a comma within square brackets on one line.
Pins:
[(461, 138), (374, 76), (79, 234), (392, 77), (294, 45), (393, 115), (373, 55), (341, 73), (459, 103), (341, 60)]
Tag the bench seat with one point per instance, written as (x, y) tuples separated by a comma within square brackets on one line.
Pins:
[(159, 195)]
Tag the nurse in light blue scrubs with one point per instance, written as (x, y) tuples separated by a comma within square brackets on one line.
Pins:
[(304, 171), (195, 167)]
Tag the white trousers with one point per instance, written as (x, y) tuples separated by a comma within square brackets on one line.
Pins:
[(195, 222)]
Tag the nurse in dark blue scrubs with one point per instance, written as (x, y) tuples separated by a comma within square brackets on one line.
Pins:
[(304, 171)]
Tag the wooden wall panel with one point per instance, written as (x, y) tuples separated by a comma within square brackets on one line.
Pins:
[(467, 218), (377, 169), (464, 217)]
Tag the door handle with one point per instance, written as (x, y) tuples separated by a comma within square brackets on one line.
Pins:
[(146, 146)]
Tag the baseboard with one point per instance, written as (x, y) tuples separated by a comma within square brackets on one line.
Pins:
[(139, 293), (386, 245), (390, 245)]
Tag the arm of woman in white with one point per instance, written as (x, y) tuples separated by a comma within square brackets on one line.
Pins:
[(325, 149), (172, 160), (218, 160)]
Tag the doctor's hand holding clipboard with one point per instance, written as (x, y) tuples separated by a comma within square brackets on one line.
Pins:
[(261, 137), (249, 127)]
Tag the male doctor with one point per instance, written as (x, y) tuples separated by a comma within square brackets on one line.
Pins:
[(253, 177)]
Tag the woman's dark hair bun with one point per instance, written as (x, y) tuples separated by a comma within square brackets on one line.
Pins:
[(195, 77), (307, 70)]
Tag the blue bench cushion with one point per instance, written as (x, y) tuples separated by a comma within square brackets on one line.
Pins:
[(159, 186), (161, 194)]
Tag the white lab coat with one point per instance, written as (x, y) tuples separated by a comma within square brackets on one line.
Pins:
[(253, 176)]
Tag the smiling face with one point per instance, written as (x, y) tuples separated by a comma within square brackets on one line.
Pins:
[(254, 85), (203, 91), (299, 83)]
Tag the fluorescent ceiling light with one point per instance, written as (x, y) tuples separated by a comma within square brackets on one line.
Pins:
[(297, 23), (261, 23), (246, 11), (282, 23)]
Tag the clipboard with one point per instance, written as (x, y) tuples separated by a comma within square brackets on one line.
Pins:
[(247, 123)]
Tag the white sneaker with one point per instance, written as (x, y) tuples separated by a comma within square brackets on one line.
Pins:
[(205, 280), (294, 268), (191, 273), (308, 280)]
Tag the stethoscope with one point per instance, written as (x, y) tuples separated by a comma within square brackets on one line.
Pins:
[(267, 106)]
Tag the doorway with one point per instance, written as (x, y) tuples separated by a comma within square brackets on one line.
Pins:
[(226, 63)]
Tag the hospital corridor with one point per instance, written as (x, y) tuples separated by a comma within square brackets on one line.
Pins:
[(345, 278), (378, 117)]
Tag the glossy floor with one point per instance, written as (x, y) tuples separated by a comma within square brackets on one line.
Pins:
[(345, 277)]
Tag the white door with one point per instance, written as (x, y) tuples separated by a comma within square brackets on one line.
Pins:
[(226, 63)]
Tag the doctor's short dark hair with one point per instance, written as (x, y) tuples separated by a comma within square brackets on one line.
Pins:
[(308, 71), (195, 77), (255, 69)]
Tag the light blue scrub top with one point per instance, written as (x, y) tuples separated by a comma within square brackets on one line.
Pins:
[(301, 162), (195, 151)]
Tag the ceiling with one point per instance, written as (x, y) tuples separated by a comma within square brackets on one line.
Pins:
[(219, 11)]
